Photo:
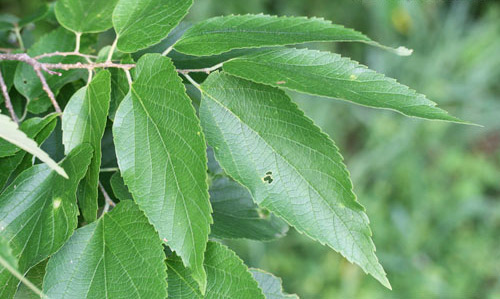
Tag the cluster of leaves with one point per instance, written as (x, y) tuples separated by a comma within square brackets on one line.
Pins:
[(269, 166)]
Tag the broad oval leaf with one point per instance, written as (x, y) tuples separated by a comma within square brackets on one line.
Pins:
[(237, 216), (270, 285), (161, 156), (221, 34), (330, 75), (26, 80), (85, 16), (38, 211), (118, 256), (143, 23), (84, 120), (227, 276), (35, 276), (265, 142), (10, 132)]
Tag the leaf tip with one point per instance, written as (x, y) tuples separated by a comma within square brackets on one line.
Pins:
[(403, 51)]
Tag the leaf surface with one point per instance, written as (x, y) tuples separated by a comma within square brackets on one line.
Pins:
[(143, 23), (227, 276), (84, 120), (222, 34), (35, 128), (10, 132), (85, 16), (237, 216), (161, 156), (270, 285), (330, 75), (26, 80), (118, 186), (117, 256), (38, 211), (265, 142)]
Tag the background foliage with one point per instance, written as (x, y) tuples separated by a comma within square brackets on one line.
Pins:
[(431, 189)]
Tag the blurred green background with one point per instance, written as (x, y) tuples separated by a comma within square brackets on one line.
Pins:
[(431, 189)]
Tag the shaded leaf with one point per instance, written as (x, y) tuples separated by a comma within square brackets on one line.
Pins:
[(161, 156), (85, 16), (26, 80), (270, 285), (38, 211), (265, 142), (227, 276), (35, 275), (35, 128), (84, 121), (330, 75), (117, 256), (118, 186), (142, 23), (10, 132), (237, 216), (38, 15), (221, 34)]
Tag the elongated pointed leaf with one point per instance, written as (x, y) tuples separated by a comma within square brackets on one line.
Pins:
[(38, 211), (270, 285), (118, 256), (161, 155), (227, 276), (10, 132), (143, 23), (85, 16), (35, 128), (237, 216), (221, 34), (84, 121), (266, 143), (330, 75)]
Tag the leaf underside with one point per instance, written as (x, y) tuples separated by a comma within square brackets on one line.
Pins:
[(266, 143)]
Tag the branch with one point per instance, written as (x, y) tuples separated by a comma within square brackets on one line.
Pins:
[(108, 201), (207, 70), (6, 96), (57, 53)]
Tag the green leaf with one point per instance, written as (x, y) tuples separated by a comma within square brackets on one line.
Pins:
[(227, 276), (237, 216), (265, 142), (118, 186), (38, 211), (35, 275), (161, 156), (221, 34), (35, 128), (270, 285), (143, 23), (38, 15), (85, 16), (26, 80), (8, 69), (118, 256), (8, 22), (330, 75), (119, 87), (10, 132), (84, 120)]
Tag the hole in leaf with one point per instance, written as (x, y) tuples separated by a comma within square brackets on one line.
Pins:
[(268, 178)]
